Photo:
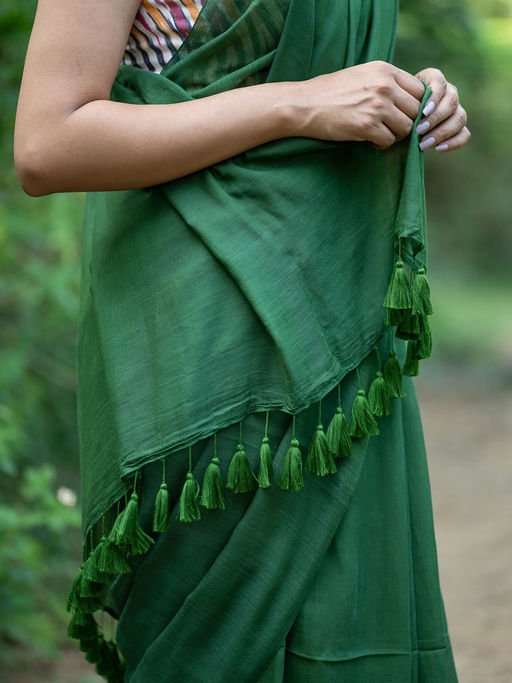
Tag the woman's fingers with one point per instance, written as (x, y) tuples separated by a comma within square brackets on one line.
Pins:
[(437, 82), (410, 83), (455, 142), (407, 103), (446, 109), (382, 137), (447, 129), (398, 123)]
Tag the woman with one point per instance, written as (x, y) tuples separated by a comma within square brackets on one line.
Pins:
[(267, 174)]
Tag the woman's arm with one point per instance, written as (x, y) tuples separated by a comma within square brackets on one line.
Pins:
[(70, 137)]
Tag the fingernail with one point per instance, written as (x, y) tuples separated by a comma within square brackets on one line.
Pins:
[(442, 148), (427, 144), (422, 127), (429, 107)]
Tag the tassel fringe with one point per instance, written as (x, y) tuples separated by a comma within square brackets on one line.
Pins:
[(407, 306)]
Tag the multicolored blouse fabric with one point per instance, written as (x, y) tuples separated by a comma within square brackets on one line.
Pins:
[(158, 30)]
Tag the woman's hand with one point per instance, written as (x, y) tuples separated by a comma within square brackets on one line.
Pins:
[(443, 125), (375, 102)]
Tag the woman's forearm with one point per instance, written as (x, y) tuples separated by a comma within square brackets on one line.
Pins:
[(105, 145)]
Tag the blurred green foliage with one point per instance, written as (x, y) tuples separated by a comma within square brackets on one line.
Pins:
[(470, 214)]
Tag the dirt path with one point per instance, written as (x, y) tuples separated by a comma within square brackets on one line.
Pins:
[(469, 446)]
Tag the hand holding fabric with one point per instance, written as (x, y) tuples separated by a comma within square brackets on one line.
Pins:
[(374, 102), (444, 123)]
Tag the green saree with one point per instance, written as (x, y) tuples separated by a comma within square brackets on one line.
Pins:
[(223, 317)]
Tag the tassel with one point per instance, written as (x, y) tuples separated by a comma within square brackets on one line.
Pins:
[(409, 326), (90, 648), (395, 316), (240, 476), (378, 396), (75, 601), (424, 346), (74, 594), (266, 466), (338, 436), (421, 304), (82, 627), (94, 575), (189, 506), (161, 515), (108, 664), (110, 559), (411, 365), (398, 295), (212, 496), (393, 376), (319, 459), (127, 533), (290, 478), (362, 423), (88, 588)]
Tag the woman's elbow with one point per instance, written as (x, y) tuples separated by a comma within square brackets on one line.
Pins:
[(32, 167)]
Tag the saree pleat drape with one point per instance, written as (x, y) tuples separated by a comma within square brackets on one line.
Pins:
[(337, 582)]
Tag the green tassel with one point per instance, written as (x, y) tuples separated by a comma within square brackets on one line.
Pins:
[(421, 294), (93, 574), (88, 588), (189, 501), (75, 601), (319, 459), (108, 664), (395, 316), (411, 365), (266, 466), (393, 376), (212, 496), (338, 435), (240, 476), (290, 478), (90, 648), (424, 346), (127, 533), (398, 295), (409, 326), (161, 515), (378, 396), (362, 423), (111, 559), (74, 594), (83, 627)]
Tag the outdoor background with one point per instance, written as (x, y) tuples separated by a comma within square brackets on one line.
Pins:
[(465, 389)]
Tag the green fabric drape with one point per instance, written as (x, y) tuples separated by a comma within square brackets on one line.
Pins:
[(257, 283)]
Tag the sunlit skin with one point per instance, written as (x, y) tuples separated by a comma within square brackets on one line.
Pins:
[(70, 137)]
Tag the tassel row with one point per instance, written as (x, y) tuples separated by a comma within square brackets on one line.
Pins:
[(407, 306)]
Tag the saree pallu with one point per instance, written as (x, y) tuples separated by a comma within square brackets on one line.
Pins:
[(338, 583), (234, 300)]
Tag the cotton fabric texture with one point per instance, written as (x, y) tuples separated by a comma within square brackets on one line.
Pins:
[(232, 299)]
